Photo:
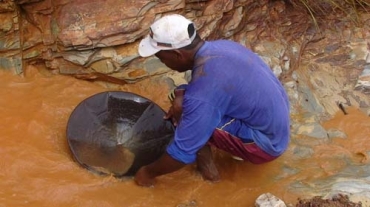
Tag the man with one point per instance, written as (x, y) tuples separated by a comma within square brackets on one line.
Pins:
[(233, 101)]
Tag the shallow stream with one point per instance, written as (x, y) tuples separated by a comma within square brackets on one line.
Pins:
[(38, 169)]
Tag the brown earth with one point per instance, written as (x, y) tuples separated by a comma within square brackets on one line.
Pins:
[(337, 201)]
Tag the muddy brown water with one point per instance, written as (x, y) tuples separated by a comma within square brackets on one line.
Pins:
[(37, 168)]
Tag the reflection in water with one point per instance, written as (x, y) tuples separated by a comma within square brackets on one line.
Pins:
[(38, 169), (123, 127), (103, 159)]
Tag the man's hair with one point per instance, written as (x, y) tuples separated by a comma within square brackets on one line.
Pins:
[(197, 39)]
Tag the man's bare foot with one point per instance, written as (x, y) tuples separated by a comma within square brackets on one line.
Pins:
[(206, 165)]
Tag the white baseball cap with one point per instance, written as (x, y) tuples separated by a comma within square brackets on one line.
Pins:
[(167, 33)]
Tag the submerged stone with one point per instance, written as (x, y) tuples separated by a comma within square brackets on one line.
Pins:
[(117, 133), (269, 200)]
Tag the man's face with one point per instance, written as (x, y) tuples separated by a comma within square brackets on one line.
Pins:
[(175, 60)]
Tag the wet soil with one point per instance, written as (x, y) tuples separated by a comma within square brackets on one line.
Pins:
[(337, 201)]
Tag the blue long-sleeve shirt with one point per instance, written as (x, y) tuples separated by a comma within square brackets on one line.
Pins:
[(230, 80)]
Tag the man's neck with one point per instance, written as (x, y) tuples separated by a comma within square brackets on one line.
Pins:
[(196, 49)]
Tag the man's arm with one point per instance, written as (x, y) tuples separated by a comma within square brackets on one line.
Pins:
[(165, 164), (175, 112)]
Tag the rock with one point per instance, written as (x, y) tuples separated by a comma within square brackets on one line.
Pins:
[(84, 25), (301, 152), (192, 203), (312, 130), (232, 25), (217, 6), (6, 6), (79, 58), (269, 200), (103, 66), (307, 99), (363, 82), (277, 71), (358, 190), (335, 133), (14, 64), (337, 200), (6, 23)]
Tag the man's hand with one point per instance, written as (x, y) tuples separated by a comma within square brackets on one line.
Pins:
[(175, 111), (165, 164), (143, 178)]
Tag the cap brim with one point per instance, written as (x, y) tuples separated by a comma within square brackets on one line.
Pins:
[(146, 49)]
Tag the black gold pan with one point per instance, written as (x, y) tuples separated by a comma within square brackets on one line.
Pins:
[(115, 133)]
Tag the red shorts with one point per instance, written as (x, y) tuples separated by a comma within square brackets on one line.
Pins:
[(235, 146)]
